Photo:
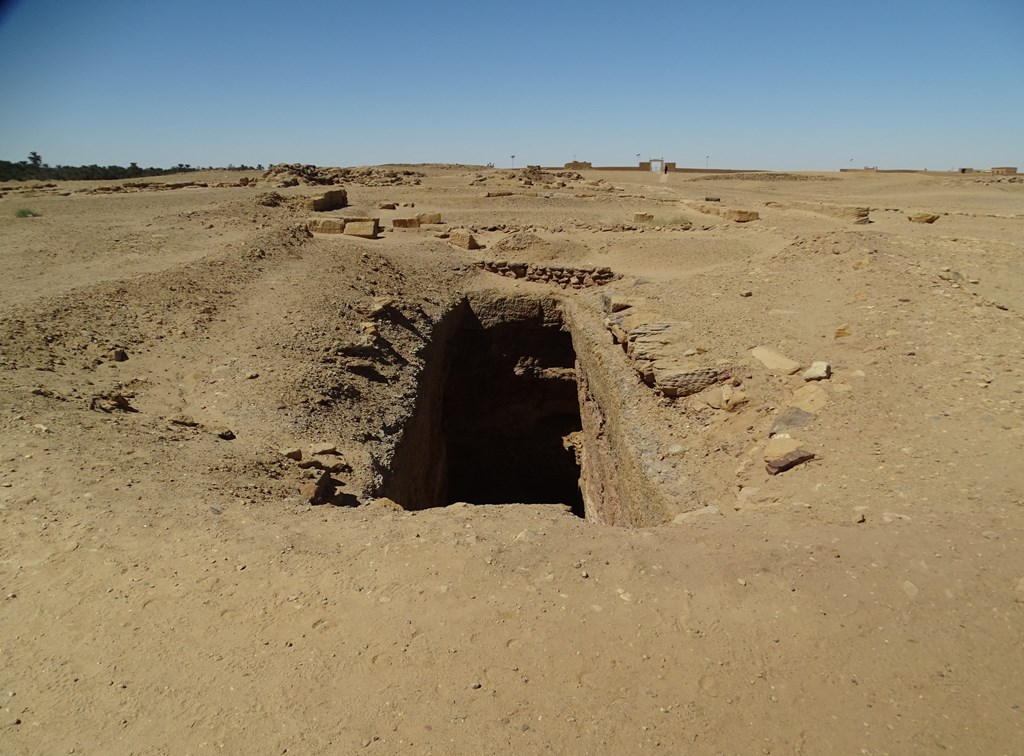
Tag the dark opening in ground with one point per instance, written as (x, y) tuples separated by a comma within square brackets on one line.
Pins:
[(511, 415)]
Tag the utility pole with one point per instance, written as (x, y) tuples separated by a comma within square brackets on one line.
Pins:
[(513, 161)]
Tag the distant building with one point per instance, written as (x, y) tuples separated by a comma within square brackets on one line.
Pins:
[(1006, 170)]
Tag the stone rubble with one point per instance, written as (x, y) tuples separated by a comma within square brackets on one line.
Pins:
[(565, 276)]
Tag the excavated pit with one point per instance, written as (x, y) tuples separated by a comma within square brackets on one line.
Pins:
[(519, 401), (498, 414), (511, 415)]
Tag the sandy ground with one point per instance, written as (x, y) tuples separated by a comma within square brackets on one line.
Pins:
[(164, 590)]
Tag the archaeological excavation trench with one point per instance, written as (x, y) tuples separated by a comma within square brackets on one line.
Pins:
[(515, 406)]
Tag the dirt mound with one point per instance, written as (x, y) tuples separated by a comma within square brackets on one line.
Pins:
[(526, 246)]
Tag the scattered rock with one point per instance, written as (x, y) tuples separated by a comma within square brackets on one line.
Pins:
[(617, 303), (741, 216), (319, 491), (226, 434), (859, 518), (788, 419), (712, 397), (384, 502), (818, 371), (111, 402), (782, 454), (843, 331), (747, 293), (732, 398), (119, 355), (774, 361), (184, 420), (379, 306), (322, 449), (292, 453), (923, 218)]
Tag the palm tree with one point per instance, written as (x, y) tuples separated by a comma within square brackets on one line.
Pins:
[(35, 159)]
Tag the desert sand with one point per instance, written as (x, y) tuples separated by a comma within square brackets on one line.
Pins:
[(218, 530)]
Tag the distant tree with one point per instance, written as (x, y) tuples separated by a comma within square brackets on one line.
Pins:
[(35, 159)]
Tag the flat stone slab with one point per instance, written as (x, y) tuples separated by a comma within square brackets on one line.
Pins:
[(782, 454), (774, 361), (789, 419), (810, 398)]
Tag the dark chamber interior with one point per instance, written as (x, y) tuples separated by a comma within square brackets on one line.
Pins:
[(511, 415)]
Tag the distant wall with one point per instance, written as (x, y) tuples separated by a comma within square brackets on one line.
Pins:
[(887, 170), (580, 165)]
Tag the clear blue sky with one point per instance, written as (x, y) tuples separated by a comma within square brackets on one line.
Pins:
[(778, 85)]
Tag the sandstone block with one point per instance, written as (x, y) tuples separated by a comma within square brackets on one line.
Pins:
[(366, 229), (460, 237), (327, 225), (740, 216), (642, 217), (405, 222), (425, 218), (330, 200)]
